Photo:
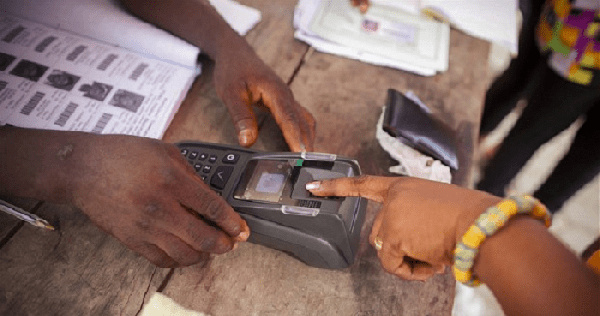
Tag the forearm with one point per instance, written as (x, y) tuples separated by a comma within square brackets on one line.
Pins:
[(38, 164), (532, 273), (196, 21)]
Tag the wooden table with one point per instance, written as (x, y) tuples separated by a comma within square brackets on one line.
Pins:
[(82, 271)]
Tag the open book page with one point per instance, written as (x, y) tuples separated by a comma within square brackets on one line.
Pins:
[(106, 20), (53, 79), (384, 31)]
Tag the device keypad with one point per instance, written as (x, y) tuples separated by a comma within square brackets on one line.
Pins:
[(214, 166)]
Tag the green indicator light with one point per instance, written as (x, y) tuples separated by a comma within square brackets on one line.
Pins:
[(299, 162)]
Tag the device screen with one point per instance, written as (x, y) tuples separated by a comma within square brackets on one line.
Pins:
[(265, 180)]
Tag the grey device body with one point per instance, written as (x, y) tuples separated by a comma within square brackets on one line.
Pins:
[(268, 190)]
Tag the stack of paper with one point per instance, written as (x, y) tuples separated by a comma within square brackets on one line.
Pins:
[(385, 35)]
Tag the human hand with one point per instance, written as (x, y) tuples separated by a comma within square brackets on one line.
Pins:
[(242, 80), (146, 195), (419, 223), (362, 4)]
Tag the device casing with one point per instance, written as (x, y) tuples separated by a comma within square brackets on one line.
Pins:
[(327, 238)]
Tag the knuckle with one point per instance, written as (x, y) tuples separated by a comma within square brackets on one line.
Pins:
[(203, 239), (222, 246), (185, 256), (360, 180), (152, 210), (215, 210), (208, 243), (169, 176), (143, 223)]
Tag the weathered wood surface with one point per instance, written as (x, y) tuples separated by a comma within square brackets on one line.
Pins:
[(10, 225), (82, 271), (78, 270), (345, 97)]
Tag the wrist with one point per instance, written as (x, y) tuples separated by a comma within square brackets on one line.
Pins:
[(487, 225), (471, 214), (230, 46), (39, 164)]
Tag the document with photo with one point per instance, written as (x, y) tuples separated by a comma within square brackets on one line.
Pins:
[(385, 31)]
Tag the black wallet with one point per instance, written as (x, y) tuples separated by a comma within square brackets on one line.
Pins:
[(405, 119)]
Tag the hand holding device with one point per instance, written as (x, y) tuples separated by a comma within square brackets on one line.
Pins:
[(420, 220), (140, 191), (269, 191)]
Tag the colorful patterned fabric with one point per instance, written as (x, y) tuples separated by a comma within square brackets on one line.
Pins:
[(571, 36)]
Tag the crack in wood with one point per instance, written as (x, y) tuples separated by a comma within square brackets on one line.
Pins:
[(10, 234), (160, 288), (301, 63), (13, 231)]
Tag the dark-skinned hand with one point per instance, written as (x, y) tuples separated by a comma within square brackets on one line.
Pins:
[(243, 80), (146, 195)]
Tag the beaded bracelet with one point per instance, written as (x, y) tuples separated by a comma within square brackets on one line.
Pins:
[(486, 225)]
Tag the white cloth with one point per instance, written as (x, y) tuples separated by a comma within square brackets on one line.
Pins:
[(411, 162), (160, 305)]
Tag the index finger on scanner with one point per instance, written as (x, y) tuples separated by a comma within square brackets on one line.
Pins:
[(371, 187)]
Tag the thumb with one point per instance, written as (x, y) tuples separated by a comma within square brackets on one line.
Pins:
[(243, 118), (370, 187)]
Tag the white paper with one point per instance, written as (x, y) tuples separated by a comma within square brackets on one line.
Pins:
[(303, 16), (52, 79), (388, 33), (490, 20), (241, 18), (107, 20)]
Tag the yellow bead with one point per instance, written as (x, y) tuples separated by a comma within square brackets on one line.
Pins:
[(462, 276), (473, 237), (508, 207)]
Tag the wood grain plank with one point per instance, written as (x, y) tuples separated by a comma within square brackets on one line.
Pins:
[(254, 280), (346, 98), (81, 270), (78, 270), (9, 224)]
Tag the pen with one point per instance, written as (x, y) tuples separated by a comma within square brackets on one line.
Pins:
[(24, 215)]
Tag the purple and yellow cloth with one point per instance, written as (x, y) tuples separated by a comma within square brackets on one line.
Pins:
[(571, 36)]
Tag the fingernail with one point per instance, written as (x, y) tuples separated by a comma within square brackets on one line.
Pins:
[(244, 235), (246, 137), (313, 185)]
